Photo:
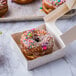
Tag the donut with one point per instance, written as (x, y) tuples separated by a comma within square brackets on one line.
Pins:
[(36, 43), (3, 7), (22, 1), (50, 5)]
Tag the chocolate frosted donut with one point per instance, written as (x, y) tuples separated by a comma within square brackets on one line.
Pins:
[(22, 1), (3, 7), (50, 5), (36, 43)]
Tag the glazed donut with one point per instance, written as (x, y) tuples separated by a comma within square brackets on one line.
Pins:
[(36, 43), (50, 5), (22, 1), (3, 7)]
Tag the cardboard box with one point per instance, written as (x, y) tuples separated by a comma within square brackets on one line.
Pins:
[(61, 40)]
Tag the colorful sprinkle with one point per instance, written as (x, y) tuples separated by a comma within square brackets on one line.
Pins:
[(55, 3), (44, 47), (29, 34), (32, 37), (41, 8)]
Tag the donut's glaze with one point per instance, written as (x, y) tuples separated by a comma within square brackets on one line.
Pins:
[(50, 5), (54, 3), (22, 1), (36, 42), (3, 7)]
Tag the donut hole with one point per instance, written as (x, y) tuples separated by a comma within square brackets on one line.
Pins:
[(36, 38)]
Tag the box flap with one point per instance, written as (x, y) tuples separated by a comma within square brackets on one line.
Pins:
[(52, 27), (69, 36)]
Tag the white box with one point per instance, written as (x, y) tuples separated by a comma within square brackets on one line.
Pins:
[(61, 40)]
